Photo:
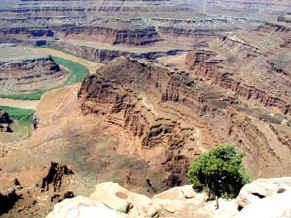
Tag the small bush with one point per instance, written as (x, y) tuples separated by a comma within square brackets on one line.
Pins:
[(220, 171)]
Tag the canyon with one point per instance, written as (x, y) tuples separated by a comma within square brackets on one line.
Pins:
[(20, 68), (166, 82)]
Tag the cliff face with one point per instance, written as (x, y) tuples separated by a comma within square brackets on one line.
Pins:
[(29, 32), (107, 54), (122, 101), (113, 36), (202, 65), (188, 33), (178, 116)]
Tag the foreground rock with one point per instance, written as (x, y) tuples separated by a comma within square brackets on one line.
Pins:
[(262, 188), (81, 207), (180, 202), (276, 206)]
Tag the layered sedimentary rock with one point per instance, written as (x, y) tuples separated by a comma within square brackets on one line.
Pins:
[(20, 67), (190, 33), (121, 97), (121, 34), (100, 53), (212, 70), (239, 73), (143, 102)]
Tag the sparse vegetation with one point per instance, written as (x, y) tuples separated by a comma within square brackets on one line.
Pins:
[(78, 73), (220, 172)]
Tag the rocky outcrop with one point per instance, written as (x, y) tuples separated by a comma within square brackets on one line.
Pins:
[(114, 95), (56, 176), (20, 67), (28, 196), (180, 202), (8, 198), (94, 53), (27, 32), (144, 102), (114, 36), (262, 188), (265, 198), (5, 122), (273, 197), (205, 65), (91, 53), (276, 206), (188, 33), (81, 207)]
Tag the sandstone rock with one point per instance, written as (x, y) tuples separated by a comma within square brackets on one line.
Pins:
[(118, 198), (173, 203), (178, 193), (262, 188), (81, 207), (275, 206)]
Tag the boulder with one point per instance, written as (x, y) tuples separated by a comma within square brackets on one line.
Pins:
[(262, 188), (275, 206), (118, 198), (82, 207)]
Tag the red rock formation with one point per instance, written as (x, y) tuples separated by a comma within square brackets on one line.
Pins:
[(140, 101), (126, 35), (204, 65), (121, 99), (55, 177)]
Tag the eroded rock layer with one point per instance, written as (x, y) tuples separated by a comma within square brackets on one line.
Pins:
[(20, 68), (176, 114)]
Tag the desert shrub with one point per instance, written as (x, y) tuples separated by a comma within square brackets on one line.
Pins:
[(220, 172)]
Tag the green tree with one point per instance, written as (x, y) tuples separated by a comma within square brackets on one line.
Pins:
[(220, 171)]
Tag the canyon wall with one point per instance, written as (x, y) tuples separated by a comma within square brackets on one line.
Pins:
[(158, 110), (104, 54)]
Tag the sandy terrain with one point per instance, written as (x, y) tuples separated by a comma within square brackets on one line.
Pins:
[(90, 65)]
